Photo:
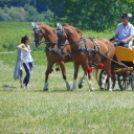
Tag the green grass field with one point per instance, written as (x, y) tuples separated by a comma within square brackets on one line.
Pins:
[(32, 111), (59, 111)]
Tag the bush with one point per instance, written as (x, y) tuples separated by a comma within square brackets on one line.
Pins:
[(13, 14)]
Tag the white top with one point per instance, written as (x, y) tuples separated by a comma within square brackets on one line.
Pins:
[(124, 33), (26, 56)]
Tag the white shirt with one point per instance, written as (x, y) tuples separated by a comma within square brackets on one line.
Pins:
[(26, 56), (124, 33)]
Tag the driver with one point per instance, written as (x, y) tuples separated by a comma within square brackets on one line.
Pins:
[(124, 32)]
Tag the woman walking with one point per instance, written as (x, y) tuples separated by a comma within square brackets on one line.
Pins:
[(26, 58)]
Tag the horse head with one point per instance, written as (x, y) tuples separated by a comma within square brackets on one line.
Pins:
[(67, 32), (61, 36), (38, 33)]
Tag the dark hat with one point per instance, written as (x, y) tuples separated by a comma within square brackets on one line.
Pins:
[(126, 16)]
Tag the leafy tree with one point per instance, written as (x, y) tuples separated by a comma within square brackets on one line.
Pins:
[(91, 14), (21, 3), (48, 15), (32, 14), (41, 7), (16, 3), (28, 13), (13, 14)]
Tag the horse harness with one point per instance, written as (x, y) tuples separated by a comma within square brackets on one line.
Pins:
[(50, 47), (87, 49), (58, 51), (95, 50)]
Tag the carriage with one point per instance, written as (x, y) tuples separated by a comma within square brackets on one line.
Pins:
[(126, 56), (76, 42)]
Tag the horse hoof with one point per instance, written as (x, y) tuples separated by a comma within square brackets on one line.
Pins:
[(110, 90), (73, 90), (102, 89), (80, 86), (45, 89)]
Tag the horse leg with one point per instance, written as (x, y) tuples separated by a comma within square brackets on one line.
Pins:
[(103, 83), (108, 71), (81, 82), (62, 66), (110, 84), (49, 66), (88, 77), (76, 68), (96, 75)]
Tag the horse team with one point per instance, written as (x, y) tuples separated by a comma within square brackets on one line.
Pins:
[(67, 44)]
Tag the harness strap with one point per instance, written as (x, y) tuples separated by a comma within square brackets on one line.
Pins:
[(88, 49), (94, 48), (80, 41), (91, 50), (47, 43), (61, 53), (49, 50)]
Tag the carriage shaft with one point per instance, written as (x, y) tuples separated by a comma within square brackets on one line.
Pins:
[(123, 69)]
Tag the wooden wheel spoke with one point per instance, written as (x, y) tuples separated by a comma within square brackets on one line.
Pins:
[(123, 83)]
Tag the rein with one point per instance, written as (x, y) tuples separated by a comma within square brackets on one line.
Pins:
[(74, 41), (46, 42), (87, 49), (48, 48), (36, 40)]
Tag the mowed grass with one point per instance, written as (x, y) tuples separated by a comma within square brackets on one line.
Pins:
[(59, 111)]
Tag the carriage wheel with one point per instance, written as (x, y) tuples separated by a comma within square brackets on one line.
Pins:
[(102, 77), (132, 82), (123, 83)]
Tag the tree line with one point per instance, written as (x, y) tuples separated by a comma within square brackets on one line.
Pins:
[(23, 11), (92, 14), (85, 14)]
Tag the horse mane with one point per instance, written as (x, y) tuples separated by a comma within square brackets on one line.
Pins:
[(67, 25), (79, 31), (43, 24)]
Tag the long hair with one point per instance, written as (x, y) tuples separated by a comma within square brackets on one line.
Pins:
[(24, 38)]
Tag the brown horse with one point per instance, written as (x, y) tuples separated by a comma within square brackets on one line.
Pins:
[(86, 52), (53, 54)]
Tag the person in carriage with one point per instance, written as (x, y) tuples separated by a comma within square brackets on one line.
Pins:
[(124, 33)]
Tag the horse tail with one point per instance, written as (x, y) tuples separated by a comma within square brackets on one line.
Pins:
[(95, 74), (117, 63)]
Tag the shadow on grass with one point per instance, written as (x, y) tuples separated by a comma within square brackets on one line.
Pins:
[(56, 90), (30, 90), (119, 90)]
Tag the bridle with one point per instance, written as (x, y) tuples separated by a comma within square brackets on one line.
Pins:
[(61, 32), (37, 30)]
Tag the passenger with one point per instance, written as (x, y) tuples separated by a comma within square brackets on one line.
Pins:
[(124, 32)]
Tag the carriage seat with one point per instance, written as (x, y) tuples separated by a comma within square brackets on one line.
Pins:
[(130, 44)]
